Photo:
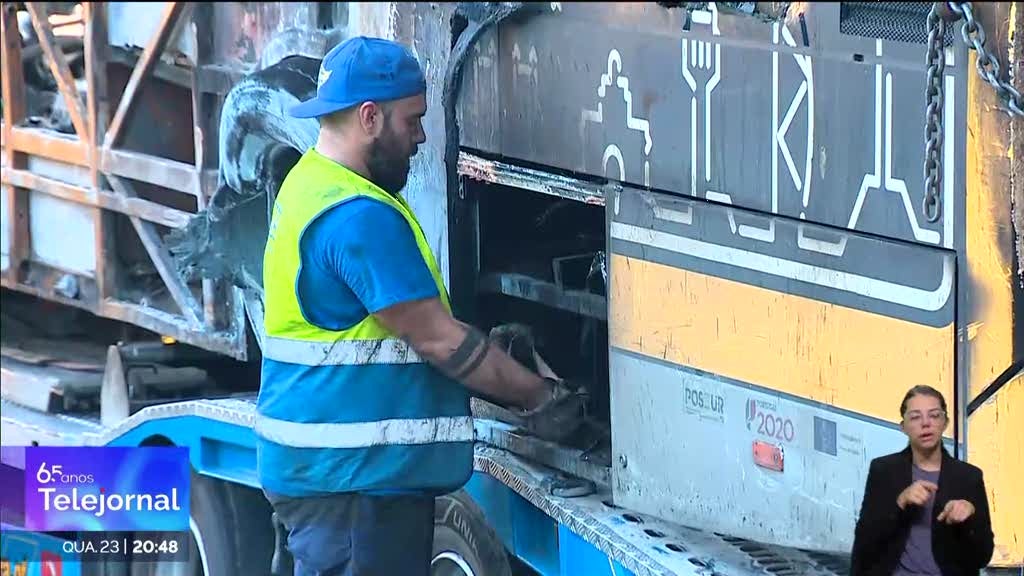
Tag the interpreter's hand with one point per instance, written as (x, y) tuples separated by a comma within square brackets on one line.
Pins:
[(917, 494), (956, 511)]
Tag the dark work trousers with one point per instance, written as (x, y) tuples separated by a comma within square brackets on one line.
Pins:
[(359, 534)]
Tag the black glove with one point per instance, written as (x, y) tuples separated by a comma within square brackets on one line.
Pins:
[(561, 416), (564, 412)]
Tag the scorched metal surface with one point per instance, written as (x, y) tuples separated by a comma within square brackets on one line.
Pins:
[(788, 117)]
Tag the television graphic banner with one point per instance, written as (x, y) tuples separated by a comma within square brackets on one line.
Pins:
[(95, 489)]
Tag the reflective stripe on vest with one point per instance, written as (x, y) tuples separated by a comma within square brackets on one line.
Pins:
[(339, 352), (366, 434)]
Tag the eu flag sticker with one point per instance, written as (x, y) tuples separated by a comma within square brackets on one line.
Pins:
[(110, 489)]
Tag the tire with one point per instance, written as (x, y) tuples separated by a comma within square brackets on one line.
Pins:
[(464, 544), (231, 533), (255, 128), (258, 144)]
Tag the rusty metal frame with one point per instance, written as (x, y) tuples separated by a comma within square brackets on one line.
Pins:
[(213, 318)]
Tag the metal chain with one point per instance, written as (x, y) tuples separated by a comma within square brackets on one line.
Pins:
[(988, 63), (988, 68), (936, 59)]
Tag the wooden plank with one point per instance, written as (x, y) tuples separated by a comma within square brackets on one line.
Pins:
[(20, 243), (150, 169), (49, 144), (167, 324), (199, 142), (161, 70), (147, 210), (149, 318), (49, 295), (203, 128), (96, 97), (12, 89), (161, 258), (218, 79), (144, 209), (150, 55), (59, 66), (96, 81), (13, 78)]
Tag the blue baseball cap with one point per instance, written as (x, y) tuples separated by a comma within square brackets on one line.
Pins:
[(362, 69)]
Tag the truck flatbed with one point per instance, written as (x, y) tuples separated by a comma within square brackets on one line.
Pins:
[(219, 432)]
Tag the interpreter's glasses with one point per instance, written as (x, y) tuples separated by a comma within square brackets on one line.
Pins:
[(916, 417)]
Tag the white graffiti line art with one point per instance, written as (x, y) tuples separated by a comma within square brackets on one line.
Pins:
[(928, 300), (612, 151), (874, 181), (693, 119), (938, 297), (779, 143), (485, 58), (669, 214), (805, 90), (524, 66), (704, 55), (614, 76)]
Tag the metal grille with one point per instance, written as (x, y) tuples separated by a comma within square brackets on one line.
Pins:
[(899, 21), (769, 559)]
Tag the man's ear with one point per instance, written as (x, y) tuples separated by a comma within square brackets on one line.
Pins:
[(371, 118)]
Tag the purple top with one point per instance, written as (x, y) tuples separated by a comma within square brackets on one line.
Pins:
[(917, 558)]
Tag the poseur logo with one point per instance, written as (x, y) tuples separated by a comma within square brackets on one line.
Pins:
[(53, 482)]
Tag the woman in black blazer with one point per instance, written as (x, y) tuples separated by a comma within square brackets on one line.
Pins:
[(924, 512)]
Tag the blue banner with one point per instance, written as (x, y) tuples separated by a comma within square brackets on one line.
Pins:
[(106, 489)]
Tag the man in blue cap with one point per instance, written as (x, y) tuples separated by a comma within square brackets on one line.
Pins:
[(363, 413)]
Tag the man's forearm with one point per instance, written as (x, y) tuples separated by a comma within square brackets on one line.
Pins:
[(464, 353), (467, 356)]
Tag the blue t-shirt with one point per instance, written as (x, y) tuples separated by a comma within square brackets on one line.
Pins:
[(359, 257)]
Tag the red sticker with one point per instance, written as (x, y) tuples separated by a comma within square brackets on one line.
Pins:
[(768, 456)]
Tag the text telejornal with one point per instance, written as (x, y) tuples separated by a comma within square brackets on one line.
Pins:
[(99, 504)]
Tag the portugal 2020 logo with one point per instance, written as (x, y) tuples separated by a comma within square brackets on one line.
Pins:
[(751, 412), (763, 419)]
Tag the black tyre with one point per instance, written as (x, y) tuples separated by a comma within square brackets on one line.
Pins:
[(259, 143), (464, 544), (231, 533)]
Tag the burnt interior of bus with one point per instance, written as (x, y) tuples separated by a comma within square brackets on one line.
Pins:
[(539, 260)]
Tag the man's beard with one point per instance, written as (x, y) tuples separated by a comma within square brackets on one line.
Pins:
[(388, 166)]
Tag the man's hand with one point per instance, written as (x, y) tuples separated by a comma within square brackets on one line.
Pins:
[(563, 409), (956, 511), (561, 416), (917, 494)]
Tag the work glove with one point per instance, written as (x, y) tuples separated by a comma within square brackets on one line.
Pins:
[(563, 414)]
